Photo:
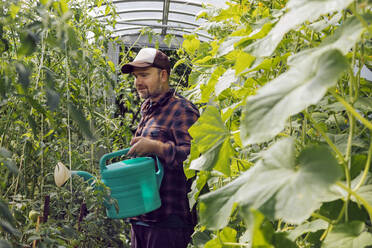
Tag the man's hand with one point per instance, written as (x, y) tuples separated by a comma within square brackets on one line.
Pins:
[(144, 146)]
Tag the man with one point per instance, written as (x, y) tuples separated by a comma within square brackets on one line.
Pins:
[(162, 131)]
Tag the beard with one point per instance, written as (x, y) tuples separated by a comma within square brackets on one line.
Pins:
[(143, 93)]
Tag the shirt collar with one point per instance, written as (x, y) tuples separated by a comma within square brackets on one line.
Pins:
[(148, 103)]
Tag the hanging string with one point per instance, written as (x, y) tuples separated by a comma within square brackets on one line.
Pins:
[(68, 115)]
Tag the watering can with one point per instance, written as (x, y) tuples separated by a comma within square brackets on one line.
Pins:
[(134, 184)]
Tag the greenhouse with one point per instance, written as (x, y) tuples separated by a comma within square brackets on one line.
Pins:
[(185, 123)]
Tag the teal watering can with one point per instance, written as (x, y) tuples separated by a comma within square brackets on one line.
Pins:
[(134, 184)]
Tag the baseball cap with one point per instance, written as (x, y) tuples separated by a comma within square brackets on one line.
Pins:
[(148, 57)]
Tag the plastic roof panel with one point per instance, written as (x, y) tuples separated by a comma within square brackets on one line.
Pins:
[(163, 17)]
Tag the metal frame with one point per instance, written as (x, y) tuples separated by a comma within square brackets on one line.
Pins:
[(175, 17)]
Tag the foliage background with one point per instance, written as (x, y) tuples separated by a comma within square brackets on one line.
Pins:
[(281, 154)]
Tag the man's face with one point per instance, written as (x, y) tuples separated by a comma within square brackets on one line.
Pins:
[(149, 82)]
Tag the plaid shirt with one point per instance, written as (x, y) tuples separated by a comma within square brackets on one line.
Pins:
[(168, 121)]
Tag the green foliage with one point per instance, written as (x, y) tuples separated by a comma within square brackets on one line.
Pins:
[(283, 69), (56, 90)]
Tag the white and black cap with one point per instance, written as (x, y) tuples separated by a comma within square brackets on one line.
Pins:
[(148, 57)]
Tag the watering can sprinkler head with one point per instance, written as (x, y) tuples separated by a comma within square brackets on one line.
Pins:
[(62, 174)]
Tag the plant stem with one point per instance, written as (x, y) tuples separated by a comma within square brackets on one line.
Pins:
[(351, 109), (327, 139), (304, 128), (340, 157), (337, 126), (234, 244), (348, 160), (341, 212), (324, 235), (316, 215), (366, 168), (358, 197), (361, 19)]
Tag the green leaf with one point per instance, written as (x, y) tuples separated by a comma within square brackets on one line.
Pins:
[(340, 140), (112, 65), (312, 226), (265, 113), (197, 187), (217, 158), (179, 62), (208, 131), (23, 74), (13, 10), (199, 239), (364, 104), (10, 164), (227, 234), (107, 10), (5, 213), (256, 34), (348, 235), (262, 231), (83, 124), (300, 11), (5, 244), (63, 5), (324, 23), (243, 61), (225, 81), (191, 45), (210, 87), (7, 227), (99, 3), (212, 140), (52, 98), (276, 184), (29, 42)]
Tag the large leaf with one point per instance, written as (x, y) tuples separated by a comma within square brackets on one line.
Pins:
[(209, 130), (83, 124), (266, 112), (275, 185), (348, 235), (225, 81), (300, 11), (217, 158), (212, 140)]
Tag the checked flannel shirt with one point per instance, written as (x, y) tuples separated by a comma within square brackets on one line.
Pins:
[(168, 121)]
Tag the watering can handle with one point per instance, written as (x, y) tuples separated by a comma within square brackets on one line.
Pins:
[(104, 158), (160, 173)]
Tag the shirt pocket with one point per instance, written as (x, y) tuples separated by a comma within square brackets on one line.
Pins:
[(157, 133)]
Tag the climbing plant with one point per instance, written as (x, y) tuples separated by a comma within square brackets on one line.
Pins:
[(57, 94), (282, 151)]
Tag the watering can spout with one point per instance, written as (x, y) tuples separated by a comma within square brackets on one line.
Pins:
[(85, 175), (62, 174)]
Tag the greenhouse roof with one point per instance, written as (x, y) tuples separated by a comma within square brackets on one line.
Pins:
[(176, 17)]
